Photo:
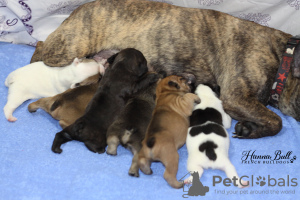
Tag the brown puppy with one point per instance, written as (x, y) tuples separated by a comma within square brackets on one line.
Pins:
[(240, 56), (69, 105), (168, 127)]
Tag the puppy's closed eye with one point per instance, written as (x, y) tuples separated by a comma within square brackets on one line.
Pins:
[(173, 84)]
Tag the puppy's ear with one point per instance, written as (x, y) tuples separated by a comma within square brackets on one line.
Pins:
[(76, 61), (111, 59), (173, 84)]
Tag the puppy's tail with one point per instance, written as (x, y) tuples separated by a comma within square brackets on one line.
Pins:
[(150, 142), (8, 80), (209, 147)]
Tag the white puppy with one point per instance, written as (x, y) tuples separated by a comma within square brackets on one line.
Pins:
[(207, 140), (37, 80)]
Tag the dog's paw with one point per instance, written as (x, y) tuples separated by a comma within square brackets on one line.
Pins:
[(188, 181), (145, 166), (11, 119), (32, 107), (197, 100), (245, 130), (111, 151), (134, 173), (57, 150)]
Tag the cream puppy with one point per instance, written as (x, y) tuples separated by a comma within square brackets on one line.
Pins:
[(37, 80), (207, 140)]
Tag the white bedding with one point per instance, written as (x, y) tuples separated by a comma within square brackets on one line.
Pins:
[(29, 21)]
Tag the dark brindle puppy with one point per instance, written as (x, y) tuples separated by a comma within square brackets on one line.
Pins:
[(240, 56), (121, 80), (129, 128)]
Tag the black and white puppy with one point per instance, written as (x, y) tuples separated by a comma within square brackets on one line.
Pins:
[(123, 78), (207, 140)]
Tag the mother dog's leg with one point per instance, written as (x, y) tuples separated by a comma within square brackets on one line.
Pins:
[(255, 120)]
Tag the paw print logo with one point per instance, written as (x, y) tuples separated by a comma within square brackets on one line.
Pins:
[(293, 159), (261, 181)]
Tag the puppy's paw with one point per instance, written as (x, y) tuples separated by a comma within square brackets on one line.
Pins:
[(111, 151), (244, 184), (134, 173), (57, 150), (189, 180), (245, 130), (197, 100), (11, 119), (176, 184), (145, 166)]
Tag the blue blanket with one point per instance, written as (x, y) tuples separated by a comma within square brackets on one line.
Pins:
[(29, 170)]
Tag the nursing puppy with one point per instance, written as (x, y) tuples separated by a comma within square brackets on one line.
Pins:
[(68, 106), (38, 80), (207, 141), (168, 127), (130, 127), (240, 56), (121, 80)]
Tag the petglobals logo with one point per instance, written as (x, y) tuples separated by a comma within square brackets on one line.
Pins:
[(253, 184), (279, 157), (256, 181), (256, 185)]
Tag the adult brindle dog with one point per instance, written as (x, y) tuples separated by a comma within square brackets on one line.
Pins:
[(240, 56)]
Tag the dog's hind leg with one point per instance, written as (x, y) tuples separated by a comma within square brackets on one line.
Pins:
[(144, 162), (134, 168), (231, 173), (60, 138), (44, 103), (14, 100), (193, 165), (113, 142), (169, 157), (255, 120)]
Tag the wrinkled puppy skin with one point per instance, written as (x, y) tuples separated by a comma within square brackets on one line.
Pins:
[(68, 106), (121, 79), (130, 127), (168, 127), (240, 56)]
